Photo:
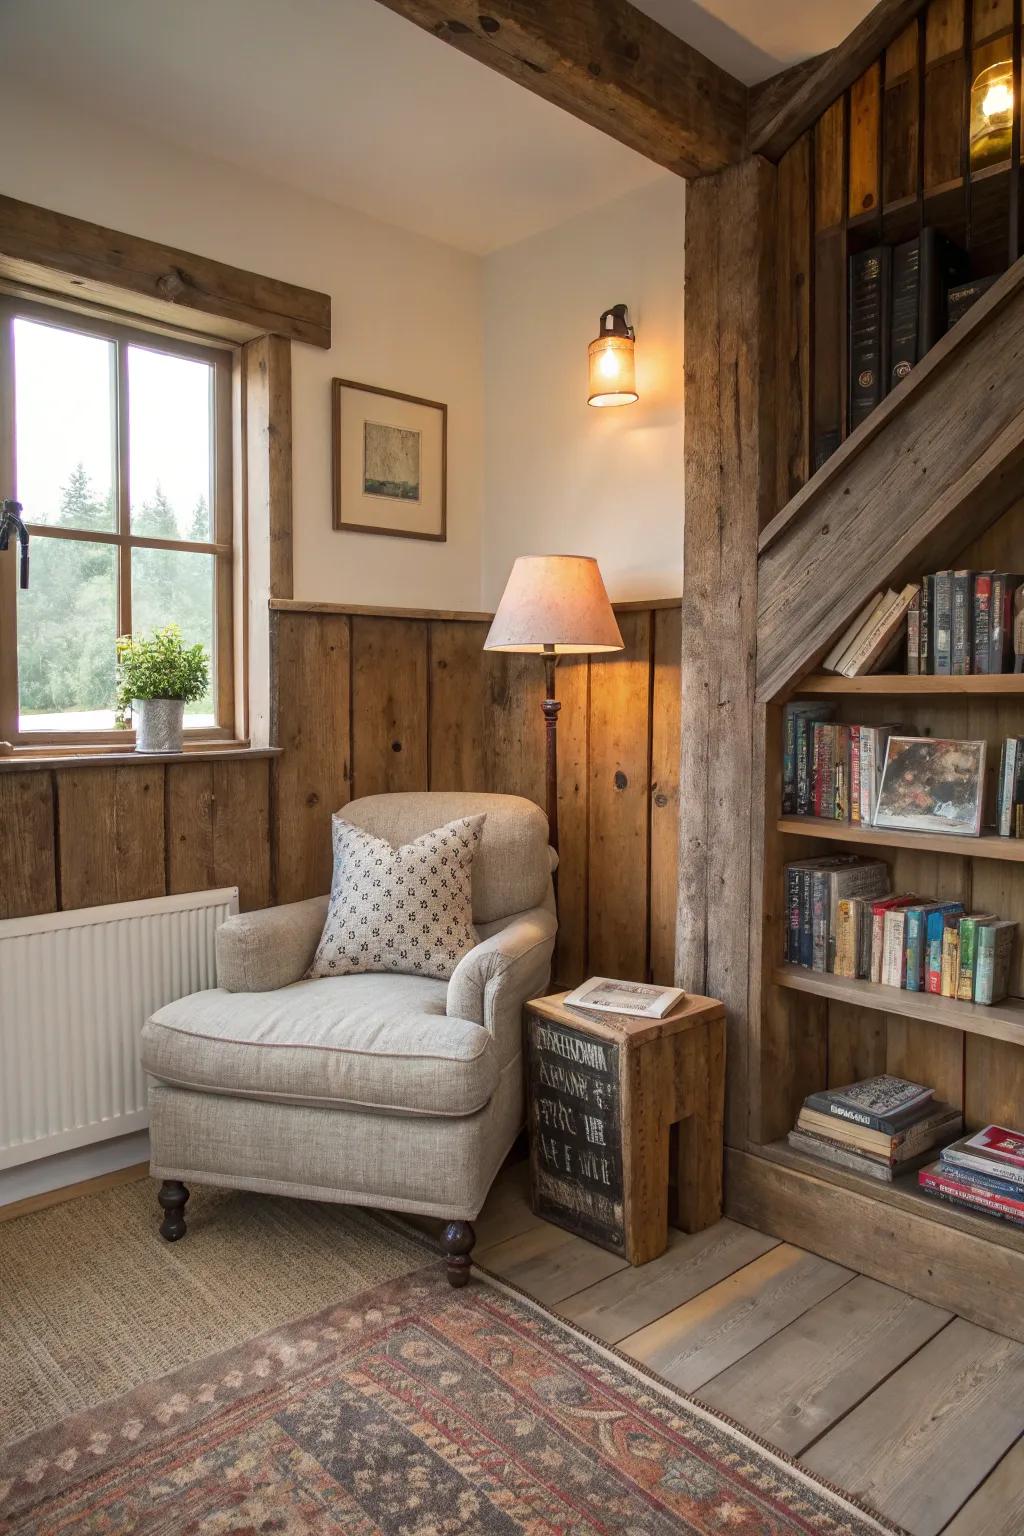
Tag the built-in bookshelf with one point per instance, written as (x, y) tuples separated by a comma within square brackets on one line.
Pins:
[(898, 685)]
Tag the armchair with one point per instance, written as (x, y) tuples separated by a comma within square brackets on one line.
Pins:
[(395, 1091)]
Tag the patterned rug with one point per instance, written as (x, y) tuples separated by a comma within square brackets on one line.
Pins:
[(413, 1410)]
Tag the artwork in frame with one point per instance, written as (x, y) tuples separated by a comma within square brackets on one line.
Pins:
[(932, 785), (390, 462)]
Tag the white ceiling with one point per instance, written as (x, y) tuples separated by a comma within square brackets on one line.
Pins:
[(343, 99)]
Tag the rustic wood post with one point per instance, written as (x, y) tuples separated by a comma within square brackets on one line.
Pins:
[(730, 476)]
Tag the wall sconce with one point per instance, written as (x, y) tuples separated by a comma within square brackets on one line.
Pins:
[(612, 370), (992, 114)]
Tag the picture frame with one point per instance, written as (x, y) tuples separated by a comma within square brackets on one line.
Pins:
[(932, 784), (390, 462)]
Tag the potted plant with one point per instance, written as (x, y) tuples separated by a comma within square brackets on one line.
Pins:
[(156, 677)]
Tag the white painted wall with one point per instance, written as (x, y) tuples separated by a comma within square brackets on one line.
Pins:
[(561, 476), (407, 314)]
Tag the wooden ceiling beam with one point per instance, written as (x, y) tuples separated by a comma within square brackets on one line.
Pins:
[(608, 64), (99, 262), (791, 112)]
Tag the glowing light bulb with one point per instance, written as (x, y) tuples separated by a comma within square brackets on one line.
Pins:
[(998, 100)]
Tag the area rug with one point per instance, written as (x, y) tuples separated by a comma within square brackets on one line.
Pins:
[(413, 1410)]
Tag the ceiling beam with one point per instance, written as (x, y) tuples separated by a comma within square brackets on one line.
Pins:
[(98, 263), (791, 113), (608, 64)]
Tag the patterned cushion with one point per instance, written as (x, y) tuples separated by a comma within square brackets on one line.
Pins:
[(404, 909)]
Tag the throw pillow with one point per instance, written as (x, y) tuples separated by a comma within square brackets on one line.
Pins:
[(399, 909)]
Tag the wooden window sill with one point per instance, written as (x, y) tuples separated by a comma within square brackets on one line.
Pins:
[(25, 759)]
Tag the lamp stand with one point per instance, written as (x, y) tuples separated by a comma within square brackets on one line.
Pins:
[(551, 706)]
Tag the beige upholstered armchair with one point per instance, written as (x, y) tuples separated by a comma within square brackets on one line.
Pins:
[(384, 1090)]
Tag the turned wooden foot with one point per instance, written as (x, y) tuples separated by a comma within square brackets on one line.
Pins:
[(457, 1241), (173, 1196)]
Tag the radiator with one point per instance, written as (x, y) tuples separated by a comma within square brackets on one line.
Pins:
[(75, 991)]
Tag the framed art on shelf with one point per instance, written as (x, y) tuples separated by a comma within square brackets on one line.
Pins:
[(932, 785), (390, 462)]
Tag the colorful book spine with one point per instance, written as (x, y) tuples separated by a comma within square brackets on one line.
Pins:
[(968, 936), (992, 965), (966, 1194), (936, 922), (981, 644), (915, 944), (950, 957), (894, 953), (855, 791)]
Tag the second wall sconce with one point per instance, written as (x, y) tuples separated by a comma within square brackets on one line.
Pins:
[(612, 366)]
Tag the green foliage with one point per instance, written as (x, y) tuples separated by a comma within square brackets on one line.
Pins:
[(159, 666)]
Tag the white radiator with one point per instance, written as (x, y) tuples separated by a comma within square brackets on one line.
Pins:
[(75, 991)]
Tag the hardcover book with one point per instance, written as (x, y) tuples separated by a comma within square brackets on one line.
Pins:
[(981, 645), (962, 295), (936, 924), (963, 609), (969, 926), (884, 1103), (868, 342), (992, 963), (942, 641), (995, 1150)]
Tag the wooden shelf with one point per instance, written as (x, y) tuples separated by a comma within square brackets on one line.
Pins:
[(988, 846), (903, 1194), (897, 684), (999, 1021)]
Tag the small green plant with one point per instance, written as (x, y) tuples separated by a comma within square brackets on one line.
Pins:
[(158, 666)]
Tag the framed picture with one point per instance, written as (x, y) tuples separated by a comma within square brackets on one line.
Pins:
[(390, 462), (929, 785)]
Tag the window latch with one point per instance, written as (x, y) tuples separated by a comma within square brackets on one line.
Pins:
[(10, 521)]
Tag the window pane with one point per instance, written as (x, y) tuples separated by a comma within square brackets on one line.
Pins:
[(172, 586), (170, 446), (67, 626), (64, 426)]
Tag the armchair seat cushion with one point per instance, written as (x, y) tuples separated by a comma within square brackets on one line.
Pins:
[(379, 1042)]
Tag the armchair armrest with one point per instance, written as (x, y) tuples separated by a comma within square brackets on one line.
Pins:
[(262, 951), (490, 985)]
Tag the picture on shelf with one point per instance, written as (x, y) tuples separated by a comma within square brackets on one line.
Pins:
[(931, 785)]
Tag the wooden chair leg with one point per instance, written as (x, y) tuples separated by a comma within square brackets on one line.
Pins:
[(173, 1197), (457, 1241)]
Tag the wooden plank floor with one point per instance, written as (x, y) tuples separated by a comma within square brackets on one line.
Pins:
[(916, 1411)]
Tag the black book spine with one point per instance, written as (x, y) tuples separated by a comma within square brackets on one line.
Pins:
[(825, 444), (904, 310), (981, 645), (962, 295), (943, 630), (868, 332), (806, 929), (793, 915), (960, 654), (927, 610), (942, 264)]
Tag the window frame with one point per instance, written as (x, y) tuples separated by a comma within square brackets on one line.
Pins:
[(222, 519)]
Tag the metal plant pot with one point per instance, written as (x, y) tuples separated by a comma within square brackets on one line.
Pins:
[(159, 724)]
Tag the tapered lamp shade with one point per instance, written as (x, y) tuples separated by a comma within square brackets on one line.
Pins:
[(555, 603)]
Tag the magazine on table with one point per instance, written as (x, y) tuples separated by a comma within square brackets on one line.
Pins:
[(638, 999)]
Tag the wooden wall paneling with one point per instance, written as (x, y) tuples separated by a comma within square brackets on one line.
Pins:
[(514, 693), (856, 1044), (572, 680), (943, 95), (458, 715), (926, 1053), (864, 193), (793, 343), (730, 478), (990, 17), (111, 834), (993, 1083), (218, 828), (619, 814), (900, 121), (312, 778), (666, 724), (389, 706), (29, 883), (829, 287)]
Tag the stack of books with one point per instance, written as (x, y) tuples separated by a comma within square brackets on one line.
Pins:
[(874, 639), (961, 623), (983, 1172), (881, 1127), (831, 769)]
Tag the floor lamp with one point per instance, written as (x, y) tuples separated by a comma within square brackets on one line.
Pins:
[(552, 606)]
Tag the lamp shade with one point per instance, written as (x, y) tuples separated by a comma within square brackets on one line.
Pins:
[(554, 602)]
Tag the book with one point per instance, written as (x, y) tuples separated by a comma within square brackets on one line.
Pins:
[(851, 634), (868, 339), (1009, 769), (915, 944), (950, 974), (914, 637), (872, 741), (894, 952), (962, 611), (1004, 585), (880, 633), (854, 761), (981, 640), (992, 963), (903, 313), (936, 920), (935, 1124), (942, 641), (927, 604), (793, 716), (967, 956), (995, 1150), (990, 1181), (961, 295), (922, 269), (882, 1103), (939, 1180), (879, 909), (635, 999), (843, 1156), (804, 725)]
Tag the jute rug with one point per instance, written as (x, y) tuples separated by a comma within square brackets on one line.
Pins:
[(411, 1410)]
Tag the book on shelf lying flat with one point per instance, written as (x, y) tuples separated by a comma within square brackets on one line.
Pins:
[(996, 1151), (881, 1157), (883, 1103)]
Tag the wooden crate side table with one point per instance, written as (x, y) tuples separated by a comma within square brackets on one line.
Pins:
[(604, 1093)]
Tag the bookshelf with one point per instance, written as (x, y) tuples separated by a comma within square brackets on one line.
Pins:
[(987, 846), (996, 1021), (899, 685)]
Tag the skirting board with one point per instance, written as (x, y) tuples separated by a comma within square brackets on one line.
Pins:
[(47, 1173), (982, 1281)]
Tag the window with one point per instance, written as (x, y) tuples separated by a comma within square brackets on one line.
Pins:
[(118, 446)]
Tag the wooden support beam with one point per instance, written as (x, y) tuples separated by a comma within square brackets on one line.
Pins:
[(36, 242), (931, 468), (730, 480), (608, 64), (790, 113)]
